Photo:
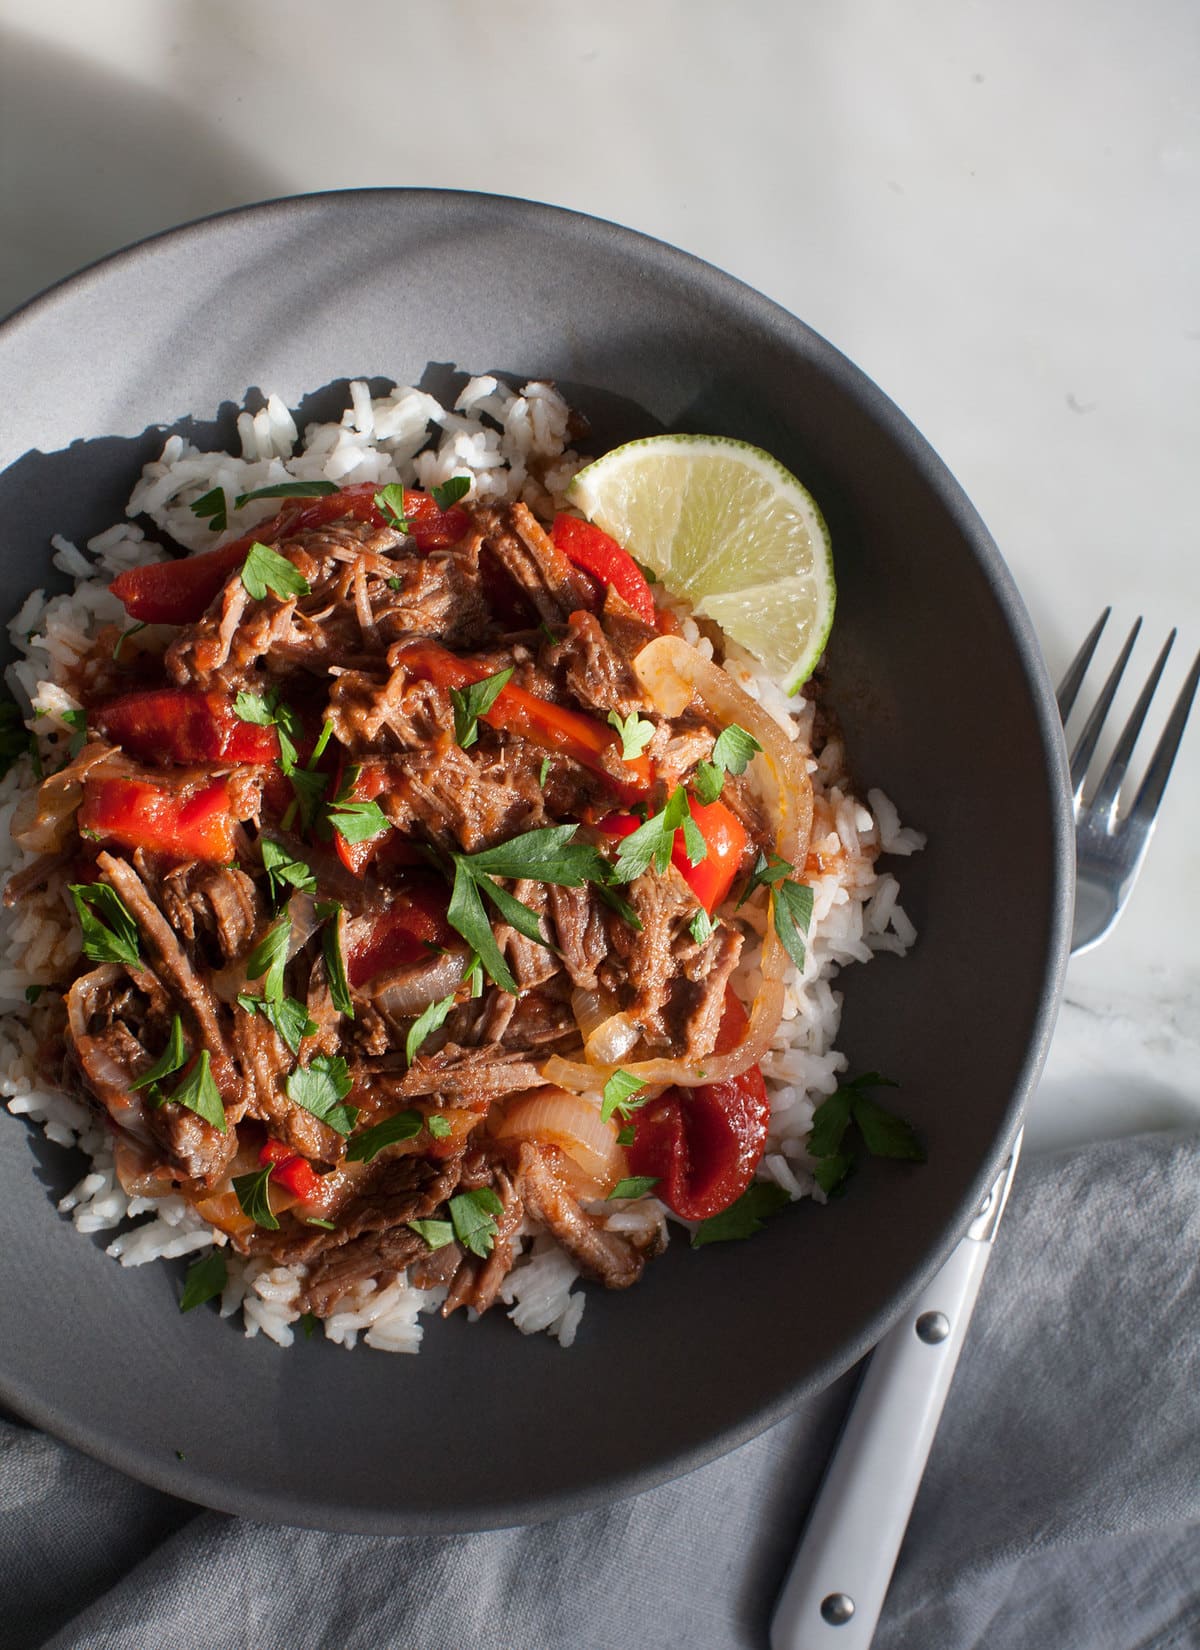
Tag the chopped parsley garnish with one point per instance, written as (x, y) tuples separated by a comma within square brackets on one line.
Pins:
[(389, 501), (544, 855), (269, 958), (472, 1216), (319, 1087), (287, 489), (309, 1321), (437, 1233), (309, 789), (765, 873), (791, 908), (425, 1025), (618, 1095), (268, 711), (653, 842), (701, 927), (635, 733), (173, 1058), (635, 1185), (206, 1277), (395, 584), (743, 1217), (402, 1125), (882, 1133), (124, 637), (214, 506), (438, 1126), (33, 992), (627, 1135), (76, 720), (199, 1093), (287, 1016), (451, 491), (254, 1197), (285, 871), (265, 569), (734, 748), (325, 1225), (474, 701), (708, 782), (358, 821), (112, 940), (619, 904), (543, 771), (335, 962)]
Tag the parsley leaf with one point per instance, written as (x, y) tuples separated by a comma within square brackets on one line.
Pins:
[(545, 855), (205, 1278), (734, 748), (287, 1016), (542, 772), (319, 1087), (635, 732), (269, 958), (212, 505), (309, 792), (255, 1198), (365, 1147), (438, 1126), (466, 913), (792, 907), (618, 1095), (173, 1058), (621, 906), (113, 941), (335, 961), (701, 927), (425, 1025), (881, 1131), (708, 782), (265, 569), (636, 1185), (744, 1216), (76, 720), (764, 874), (437, 1233), (389, 501), (284, 871), (474, 701), (288, 489), (267, 711), (358, 821), (33, 992), (653, 842), (199, 1093), (451, 491), (627, 1135), (471, 1215)]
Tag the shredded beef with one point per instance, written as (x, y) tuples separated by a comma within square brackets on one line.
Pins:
[(533, 561)]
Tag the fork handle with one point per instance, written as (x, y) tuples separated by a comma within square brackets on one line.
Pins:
[(853, 1536)]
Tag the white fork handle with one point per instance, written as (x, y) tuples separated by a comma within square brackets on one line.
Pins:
[(836, 1587)]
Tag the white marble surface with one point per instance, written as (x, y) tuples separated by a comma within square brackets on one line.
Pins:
[(994, 210)]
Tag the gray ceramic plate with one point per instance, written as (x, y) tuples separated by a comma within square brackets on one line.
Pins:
[(941, 687)]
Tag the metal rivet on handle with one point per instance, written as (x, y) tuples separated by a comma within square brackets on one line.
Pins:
[(933, 1327), (837, 1609)]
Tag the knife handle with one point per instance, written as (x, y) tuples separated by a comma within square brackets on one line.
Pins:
[(839, 1577)]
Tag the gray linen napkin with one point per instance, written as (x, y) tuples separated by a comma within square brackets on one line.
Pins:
[(1061, 1506)]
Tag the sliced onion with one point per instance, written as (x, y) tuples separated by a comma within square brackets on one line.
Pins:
[(409, 989), (43, 820), (591, 1009), (573, 1124), (672, 673), (612, 1040)]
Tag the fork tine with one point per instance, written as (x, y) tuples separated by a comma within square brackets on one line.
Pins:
[(1085, 745), (1109, 788), (1145, 804), (1069, 687)]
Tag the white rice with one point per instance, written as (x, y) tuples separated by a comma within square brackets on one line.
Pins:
[(514, 446)]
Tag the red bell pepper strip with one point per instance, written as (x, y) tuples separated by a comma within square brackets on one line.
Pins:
[(184, 725), (724, 836), (552, 727), (596, 553), (702, 1145), (411, 928), (137, 814), (178, 591), (293, 1172)]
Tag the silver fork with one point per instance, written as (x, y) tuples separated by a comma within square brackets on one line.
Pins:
[(839, 1578), (1110, 845)]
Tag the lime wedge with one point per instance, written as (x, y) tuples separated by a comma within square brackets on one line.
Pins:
[(725, 525)]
